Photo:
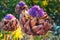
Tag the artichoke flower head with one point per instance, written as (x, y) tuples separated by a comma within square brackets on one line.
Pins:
[(36, 11), (9, 17), (9, 23), (20, 7)]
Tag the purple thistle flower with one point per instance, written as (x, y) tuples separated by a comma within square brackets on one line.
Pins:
[(9, 17), (36, 11), (21, 4)]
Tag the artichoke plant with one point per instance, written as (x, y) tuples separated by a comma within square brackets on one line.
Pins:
[(10, 24), (34, 21), (37, 22), (21, 6)]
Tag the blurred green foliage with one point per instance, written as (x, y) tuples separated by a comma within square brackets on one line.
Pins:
[(52, 7), (7, 6)]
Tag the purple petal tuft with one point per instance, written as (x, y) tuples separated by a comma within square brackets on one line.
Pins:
[(36, 11), (9, 17), (21, 3)]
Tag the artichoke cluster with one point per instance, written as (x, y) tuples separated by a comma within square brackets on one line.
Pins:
[(33, 21), (9, 23)]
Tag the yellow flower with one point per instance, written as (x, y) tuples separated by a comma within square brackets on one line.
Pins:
[(35, 1), (45, 3), (18, 33), (1, 35)]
